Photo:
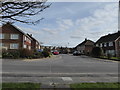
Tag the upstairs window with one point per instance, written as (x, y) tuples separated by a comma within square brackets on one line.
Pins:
[(97, 45), (1, 44), (105, 44), (110, 43), (1, 36), (14, 36), (101, 44)]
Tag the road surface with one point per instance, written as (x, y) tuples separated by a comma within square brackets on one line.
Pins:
[(61, 66)]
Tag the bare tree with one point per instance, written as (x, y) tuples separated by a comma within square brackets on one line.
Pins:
[(19, 11)]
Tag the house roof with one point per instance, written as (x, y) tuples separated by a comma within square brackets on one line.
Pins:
[(109, 37), (84, 42), (5, 25), (32, 37), (16, 29)]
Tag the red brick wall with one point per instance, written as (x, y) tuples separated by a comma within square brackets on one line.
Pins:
[(8, 29)]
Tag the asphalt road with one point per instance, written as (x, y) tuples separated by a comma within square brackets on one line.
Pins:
[(60, 70), (62, 64)]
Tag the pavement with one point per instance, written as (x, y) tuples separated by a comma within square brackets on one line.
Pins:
[(60, 71)]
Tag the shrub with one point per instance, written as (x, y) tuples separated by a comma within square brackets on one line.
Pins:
[(11, 54), (109, 56), (97, 52), (38, 55), (46, 52), (26, 53)]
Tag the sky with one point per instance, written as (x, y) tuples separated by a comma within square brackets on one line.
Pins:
[(69, 23)]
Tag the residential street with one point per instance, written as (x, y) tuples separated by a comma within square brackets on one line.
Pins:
[(73, 68)]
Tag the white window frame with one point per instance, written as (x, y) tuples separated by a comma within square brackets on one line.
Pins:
[(12, 46), (25, 46), (110, 43), (1, 44), (14, 36), (29, 47), (101, 45), (2, 36), (105, 44), (97, 45), (25, 38)]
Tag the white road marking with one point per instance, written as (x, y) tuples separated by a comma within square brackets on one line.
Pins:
[(67, 79)]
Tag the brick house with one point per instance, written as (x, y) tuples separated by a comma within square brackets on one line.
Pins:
[(85, 47), (12, 38), (34, 43), (110, 44)]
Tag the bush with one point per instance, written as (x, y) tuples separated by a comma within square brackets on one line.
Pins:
[(26, 53), (46, 52), (38, 55), (11, 54), (97, 52), (109, 56)]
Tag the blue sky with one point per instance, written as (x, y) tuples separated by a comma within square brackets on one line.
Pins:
[(72, 22)]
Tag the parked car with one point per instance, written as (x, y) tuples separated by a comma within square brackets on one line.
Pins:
[(55, 52), (76, 53)]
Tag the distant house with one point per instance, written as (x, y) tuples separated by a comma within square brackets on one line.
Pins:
[(12, 38), (85, 47), (110, 44)]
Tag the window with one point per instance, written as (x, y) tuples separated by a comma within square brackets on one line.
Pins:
[(110, 43), (1, 36), (100, 44), (105, 44), (29, 47), (14, 46), (25, 46), (14, 36), (97, 45), (25, 38), (1, 44)]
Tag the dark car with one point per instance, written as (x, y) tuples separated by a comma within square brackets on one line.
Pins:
[(76, 53)]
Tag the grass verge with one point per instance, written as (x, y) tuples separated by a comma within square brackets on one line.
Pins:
[(20, 86), (95, 86)]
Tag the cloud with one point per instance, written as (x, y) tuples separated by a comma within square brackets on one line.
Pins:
[(50, 31), (75, 37), (29, 30), (94, 23), (101, 22)]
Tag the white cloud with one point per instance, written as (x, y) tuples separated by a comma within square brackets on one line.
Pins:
[(29, 30), (102, 22)]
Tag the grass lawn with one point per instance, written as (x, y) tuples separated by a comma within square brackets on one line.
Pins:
[(115, 58), (20, 86), (95, 85)]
